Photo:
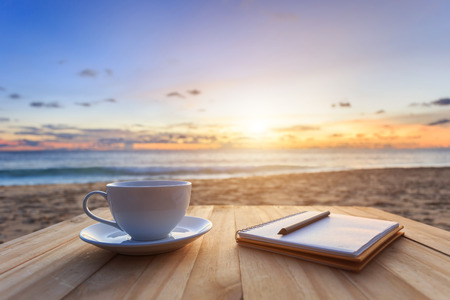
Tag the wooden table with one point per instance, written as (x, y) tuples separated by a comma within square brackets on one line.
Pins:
[(54, 263)]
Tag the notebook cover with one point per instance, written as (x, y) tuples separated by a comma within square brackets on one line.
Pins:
[(358, 259), (340, 235), (340, 263)]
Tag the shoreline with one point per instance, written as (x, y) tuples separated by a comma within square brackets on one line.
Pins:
[(421, 194)]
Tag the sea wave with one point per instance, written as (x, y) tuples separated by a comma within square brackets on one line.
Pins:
[(47, 167), (95, 174)]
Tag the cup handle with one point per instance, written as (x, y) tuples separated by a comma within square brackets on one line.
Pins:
[(91, 215)]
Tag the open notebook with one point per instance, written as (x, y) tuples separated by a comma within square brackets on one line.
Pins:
[(340, 241)]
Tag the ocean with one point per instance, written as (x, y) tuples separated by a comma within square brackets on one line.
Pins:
[(49, 167)]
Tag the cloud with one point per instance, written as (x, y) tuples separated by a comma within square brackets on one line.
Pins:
[(89, 104), (175, 94), (65, 135), (297, 128), (28, 130), (62, 135), (2, 89), (381, 111), (58, 131), (88, 73), (39, 104), (57, 126), (15, 96), (415, 104), (194, 92), (29, 143), (439, 122), (341, 104), (21, 142), (3, 119), (104, 132), (92, 73), (176, 138), (85, 104), (110, 141), (117, 138), (439, 102), (187, 125), (62, 61)]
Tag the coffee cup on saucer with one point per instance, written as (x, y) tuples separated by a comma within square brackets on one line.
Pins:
[(145, 210)]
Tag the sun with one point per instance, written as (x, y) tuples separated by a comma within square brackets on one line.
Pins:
[(256, 126)]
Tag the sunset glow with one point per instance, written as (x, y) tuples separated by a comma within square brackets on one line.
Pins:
[(210, 75)]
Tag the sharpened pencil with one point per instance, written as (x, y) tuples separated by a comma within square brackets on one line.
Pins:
[(303, 223)]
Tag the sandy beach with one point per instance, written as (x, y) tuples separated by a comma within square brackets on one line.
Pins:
[(422, 194)]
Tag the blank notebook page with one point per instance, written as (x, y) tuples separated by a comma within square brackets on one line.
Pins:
[(340, 234)]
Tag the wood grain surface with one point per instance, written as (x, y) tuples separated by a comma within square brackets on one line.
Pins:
[(54, 263)]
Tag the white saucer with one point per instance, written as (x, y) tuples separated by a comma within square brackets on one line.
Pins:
[(113, 239)]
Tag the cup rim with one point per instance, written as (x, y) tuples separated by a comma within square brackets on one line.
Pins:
[(148, 183)]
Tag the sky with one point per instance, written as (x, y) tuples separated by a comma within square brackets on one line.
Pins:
[(114, 75)]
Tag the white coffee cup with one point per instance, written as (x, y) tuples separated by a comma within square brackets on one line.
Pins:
[(146, 210)]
